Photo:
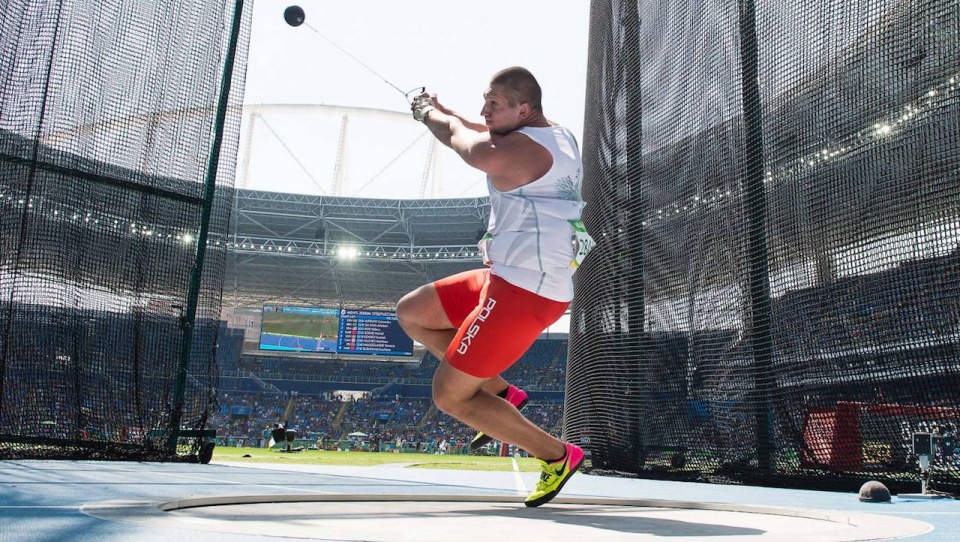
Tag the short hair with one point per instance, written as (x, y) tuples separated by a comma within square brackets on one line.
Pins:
[(521, 86)]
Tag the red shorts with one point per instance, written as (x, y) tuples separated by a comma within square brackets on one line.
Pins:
[(497, 321)]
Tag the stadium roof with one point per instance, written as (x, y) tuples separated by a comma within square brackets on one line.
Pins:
[(298, 249), (343, 151)]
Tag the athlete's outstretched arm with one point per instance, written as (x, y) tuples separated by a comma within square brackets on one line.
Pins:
[(510, 160), (475, 147), (475, 126)]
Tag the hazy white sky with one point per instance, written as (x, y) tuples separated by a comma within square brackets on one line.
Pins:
[(451, 47)]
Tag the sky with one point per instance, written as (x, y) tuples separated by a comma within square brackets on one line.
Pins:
[(450, 47)]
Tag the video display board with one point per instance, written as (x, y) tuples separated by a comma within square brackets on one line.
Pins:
[(323, 329)]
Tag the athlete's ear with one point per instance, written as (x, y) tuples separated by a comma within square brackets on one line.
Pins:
[(524, 110)]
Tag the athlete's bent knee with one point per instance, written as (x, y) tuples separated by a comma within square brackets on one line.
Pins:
[(407, 313), (446, 402)]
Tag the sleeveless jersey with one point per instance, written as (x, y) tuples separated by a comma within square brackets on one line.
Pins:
[(530, 240)]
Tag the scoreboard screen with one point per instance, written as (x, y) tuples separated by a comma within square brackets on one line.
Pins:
[(323, 329)]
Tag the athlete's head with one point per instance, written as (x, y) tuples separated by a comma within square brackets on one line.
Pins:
[(512, 99)]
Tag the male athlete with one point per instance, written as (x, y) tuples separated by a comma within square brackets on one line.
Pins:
[(480, 322)]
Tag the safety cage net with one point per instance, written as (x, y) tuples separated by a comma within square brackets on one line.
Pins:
[(775, 295), (119, 124)]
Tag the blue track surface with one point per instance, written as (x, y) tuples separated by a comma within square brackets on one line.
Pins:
[(42, 500)]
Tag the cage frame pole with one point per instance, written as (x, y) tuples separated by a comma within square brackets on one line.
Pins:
[(636, 297), (755, 208), (209, 191)]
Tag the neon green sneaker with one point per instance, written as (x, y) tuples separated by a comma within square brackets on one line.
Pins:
[(554, 475)]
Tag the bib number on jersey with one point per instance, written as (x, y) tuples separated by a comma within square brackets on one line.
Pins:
[(582, 243)]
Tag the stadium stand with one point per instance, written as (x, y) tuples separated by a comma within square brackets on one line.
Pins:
[(395, 411)]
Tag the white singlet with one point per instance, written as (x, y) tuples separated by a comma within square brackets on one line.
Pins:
[(530, 236)]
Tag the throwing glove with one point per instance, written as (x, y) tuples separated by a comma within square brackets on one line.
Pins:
[(421, 106)]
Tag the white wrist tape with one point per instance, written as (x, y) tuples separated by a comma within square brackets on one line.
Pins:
[(421, 106)]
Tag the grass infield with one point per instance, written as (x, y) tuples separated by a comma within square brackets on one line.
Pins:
[(367, 459)]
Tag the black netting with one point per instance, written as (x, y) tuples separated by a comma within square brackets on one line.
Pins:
[(108, 118), (776, 292)]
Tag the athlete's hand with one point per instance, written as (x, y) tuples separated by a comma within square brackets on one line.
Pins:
[(421, 105)]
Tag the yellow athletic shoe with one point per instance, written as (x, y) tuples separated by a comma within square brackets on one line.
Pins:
[(554, 475)]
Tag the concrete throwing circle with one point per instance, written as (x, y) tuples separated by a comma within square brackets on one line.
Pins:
[(407, 518)]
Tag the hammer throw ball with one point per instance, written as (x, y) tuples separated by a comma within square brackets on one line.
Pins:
[(294, 15)]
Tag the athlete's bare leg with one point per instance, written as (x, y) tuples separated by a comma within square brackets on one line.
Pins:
[(470, 399), (463, 397), (421, 315)]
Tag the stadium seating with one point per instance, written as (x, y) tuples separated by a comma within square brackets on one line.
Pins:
[(879, 311), (390, 421)]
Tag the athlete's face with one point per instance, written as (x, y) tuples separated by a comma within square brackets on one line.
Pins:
[(498, 114)]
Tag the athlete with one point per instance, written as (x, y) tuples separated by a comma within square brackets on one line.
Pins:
[(480, 322)]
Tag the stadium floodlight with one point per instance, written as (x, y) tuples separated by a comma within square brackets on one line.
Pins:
[(347, 252)]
